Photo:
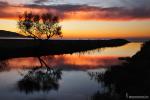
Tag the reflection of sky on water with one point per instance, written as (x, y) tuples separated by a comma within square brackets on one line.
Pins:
[(121, 51), (75, 84), (65, 61)]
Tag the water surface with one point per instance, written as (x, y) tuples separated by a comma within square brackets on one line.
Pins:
[(72, 82)]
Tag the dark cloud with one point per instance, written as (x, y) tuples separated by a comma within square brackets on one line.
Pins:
[(2, 3), (63, 8), (135, 3), (40, 1), (99, 12), (83, 12)]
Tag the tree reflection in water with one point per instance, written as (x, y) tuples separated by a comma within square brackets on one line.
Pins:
[(43, 78), (3, 66), (109, 93)]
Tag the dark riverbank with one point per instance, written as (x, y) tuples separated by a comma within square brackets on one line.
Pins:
[(130, 79), (28, 47)]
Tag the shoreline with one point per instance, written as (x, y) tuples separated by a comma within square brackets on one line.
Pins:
[(10, 48)]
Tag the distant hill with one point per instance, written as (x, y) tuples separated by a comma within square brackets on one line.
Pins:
[(4, 33)]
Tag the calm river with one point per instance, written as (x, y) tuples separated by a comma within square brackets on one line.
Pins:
[(73, 81)]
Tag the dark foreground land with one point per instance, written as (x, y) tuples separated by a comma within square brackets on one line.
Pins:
[(129, 81), (29, 47)]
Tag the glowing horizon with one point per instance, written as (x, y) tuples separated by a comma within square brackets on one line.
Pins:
[(93, 28)]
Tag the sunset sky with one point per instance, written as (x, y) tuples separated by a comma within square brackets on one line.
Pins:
[(85, 18)]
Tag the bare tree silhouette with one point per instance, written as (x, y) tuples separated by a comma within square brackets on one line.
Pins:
[(42, 26)]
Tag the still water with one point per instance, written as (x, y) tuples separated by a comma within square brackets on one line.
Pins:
[(72, 79)]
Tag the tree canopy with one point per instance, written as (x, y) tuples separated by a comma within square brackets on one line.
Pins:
[(42, 26)]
